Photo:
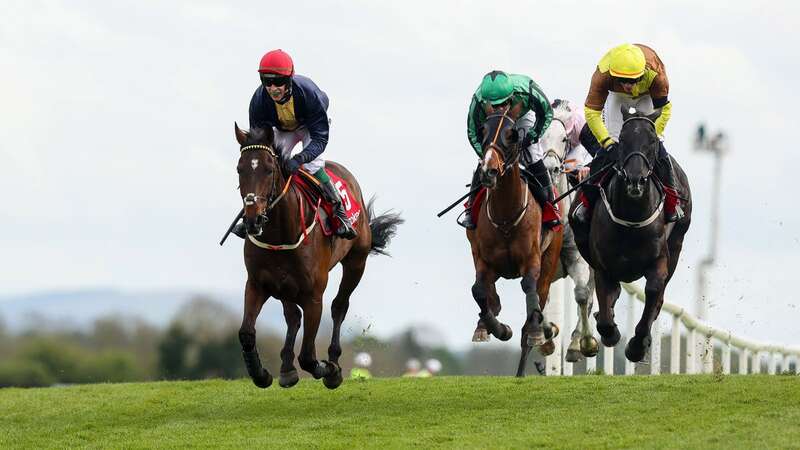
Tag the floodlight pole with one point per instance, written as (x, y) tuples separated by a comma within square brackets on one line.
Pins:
[(717, 145)]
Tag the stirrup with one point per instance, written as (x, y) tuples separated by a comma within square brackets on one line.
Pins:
[(466, 221), (240, 230), (345, 229)]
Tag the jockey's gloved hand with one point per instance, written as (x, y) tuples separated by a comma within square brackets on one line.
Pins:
[(292, 165), (611, 151), (527, 140)]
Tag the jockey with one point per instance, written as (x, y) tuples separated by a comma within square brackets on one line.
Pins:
[(500, 91), (630, 75), (297, 111)]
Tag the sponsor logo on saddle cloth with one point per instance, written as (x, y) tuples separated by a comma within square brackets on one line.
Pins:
[(328, 221)]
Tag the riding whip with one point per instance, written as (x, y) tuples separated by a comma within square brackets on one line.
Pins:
[(233, 224)]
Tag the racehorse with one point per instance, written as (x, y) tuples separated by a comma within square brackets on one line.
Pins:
[(296, 273), (628, 238), (508, 241), (554, 143)]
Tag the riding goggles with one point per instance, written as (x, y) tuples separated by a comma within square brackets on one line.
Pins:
[(274, 80), (627, 80)]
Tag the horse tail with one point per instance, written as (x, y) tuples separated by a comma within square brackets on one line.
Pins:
[(383, 228)]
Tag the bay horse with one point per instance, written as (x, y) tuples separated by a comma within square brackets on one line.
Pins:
[(296, 273), (628, 238), (554, 144), (508, 241)]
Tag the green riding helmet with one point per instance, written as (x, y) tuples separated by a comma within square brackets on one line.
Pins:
[(496, 87)]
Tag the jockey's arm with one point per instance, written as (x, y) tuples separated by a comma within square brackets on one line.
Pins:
[(256, 113), (473, 126), (318, 129), (593, 108), (541, 107), (666, 113)]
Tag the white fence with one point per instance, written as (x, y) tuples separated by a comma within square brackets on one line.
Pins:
[(701, 339)]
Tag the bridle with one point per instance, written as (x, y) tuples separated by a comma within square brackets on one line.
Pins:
[(273, 199), (505, 163), (620, 168)]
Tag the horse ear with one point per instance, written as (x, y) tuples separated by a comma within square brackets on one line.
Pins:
[(241, 136), (655, 115)]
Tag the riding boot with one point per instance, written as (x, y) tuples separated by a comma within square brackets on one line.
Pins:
[(666, 172), (331, 195), (542, 191), (468, 222), (240, 230), (590, 191)]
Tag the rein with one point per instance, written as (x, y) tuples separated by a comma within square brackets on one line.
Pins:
[(507, 226)]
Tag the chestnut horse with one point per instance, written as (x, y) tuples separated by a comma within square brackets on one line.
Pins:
[(508, 242), (288, 258), (628, 237)]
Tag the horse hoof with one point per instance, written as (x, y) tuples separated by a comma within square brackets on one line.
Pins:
[(264, 380), (573, 355), (589, 346), (506, 334), (547, 348), (333, 380), (609, 335), (551, 331), (288, 379), (634, 352), (480, 335)]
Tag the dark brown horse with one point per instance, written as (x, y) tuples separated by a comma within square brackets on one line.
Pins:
[(277, 220), (628, 237), (508, 242)]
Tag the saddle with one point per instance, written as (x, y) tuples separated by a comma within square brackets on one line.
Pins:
[(310, 188), (475, 208)]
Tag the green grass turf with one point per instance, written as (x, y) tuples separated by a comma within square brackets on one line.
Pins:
[(461, 412)]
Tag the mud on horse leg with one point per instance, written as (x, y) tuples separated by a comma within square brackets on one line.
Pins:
[(253, 301)]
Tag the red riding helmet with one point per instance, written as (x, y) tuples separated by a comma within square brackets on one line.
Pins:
[(277, 62)]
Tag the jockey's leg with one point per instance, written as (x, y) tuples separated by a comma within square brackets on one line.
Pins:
[(666, 172), (589, 192), (542, 191), (332, 195), (469, 222)]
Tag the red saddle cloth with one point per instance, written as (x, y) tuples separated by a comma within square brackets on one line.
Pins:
[(327, 220), (475, 210)]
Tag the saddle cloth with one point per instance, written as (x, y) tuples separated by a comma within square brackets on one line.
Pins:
[(475, 208), (309, 187)]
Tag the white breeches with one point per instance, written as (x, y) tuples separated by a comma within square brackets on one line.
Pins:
[(286, 141), (612, 113), (526, 122)]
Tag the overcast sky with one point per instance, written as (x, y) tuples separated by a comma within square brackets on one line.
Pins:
[(117, 153)]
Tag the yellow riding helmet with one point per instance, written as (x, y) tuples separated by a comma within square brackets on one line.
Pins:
[(626, 61)]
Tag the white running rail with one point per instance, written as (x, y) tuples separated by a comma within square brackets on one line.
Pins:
[(700, 340)]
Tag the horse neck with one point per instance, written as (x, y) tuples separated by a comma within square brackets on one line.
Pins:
[(562, 186), (633, 209), (508, 195)]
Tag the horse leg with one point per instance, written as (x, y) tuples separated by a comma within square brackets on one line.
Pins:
[(312, 311), (292, 314), (654, 297), (583, 343), (352, 270), (549, 266), (480, 334), (607, 293), (484, 283), (254, 299)]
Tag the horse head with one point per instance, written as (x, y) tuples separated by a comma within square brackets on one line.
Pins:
[(500, 143), (260, 176), (554, 142), (638, 151)]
